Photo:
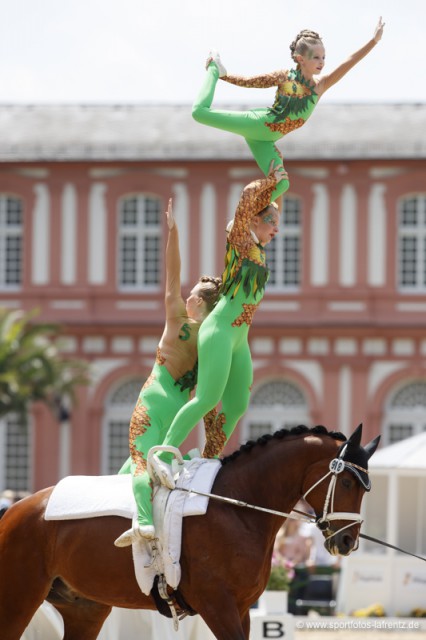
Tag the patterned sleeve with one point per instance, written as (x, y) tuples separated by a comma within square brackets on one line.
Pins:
[(264, 81), (254, 198)]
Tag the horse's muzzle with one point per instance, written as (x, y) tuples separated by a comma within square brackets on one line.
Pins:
[(340, 543)]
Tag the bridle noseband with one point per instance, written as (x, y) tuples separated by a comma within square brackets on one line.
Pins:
[(336, 466)]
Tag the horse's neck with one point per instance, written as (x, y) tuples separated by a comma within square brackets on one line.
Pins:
[(267, 476), (272, 475)]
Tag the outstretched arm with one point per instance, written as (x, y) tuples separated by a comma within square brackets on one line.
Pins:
[(263, 81), (328, 80), (173, 297)]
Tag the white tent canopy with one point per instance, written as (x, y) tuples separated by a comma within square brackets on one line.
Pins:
[(394, 512), (408, 454)]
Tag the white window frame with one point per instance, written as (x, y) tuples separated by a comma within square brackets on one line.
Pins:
[(140, 232), (118, 412), (417, 233), (25, 461), (413, 418), (10, 231), (277, 415), (289, 231)]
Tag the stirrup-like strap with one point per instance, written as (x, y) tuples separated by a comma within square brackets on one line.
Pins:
[(159, 469), (167, 448)]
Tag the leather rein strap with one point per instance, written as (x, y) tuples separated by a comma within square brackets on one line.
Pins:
[(391, 546)]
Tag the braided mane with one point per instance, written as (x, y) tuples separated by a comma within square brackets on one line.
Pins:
[(301, 429)]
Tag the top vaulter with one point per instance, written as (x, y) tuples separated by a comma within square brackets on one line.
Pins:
[(298, 91)]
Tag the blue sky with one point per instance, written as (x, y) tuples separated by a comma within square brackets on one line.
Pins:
[(153, 51)]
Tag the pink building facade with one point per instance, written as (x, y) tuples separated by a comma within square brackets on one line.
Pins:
[(340, 336)]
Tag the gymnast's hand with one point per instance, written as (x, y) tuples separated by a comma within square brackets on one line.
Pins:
[(378, 32), (277, 171), (169, 214)]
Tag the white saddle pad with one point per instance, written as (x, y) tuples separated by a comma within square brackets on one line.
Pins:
[(77, 497)]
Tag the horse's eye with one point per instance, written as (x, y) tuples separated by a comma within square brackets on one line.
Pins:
[(346, 483)]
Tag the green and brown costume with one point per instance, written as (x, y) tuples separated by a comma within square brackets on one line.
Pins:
[(225, 370), (294, 102), (167, 388)]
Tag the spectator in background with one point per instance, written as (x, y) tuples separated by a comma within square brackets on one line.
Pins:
[(293, 547), (290, 545), (319, 560)]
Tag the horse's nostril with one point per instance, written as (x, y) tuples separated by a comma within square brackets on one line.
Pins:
[(348, 542)]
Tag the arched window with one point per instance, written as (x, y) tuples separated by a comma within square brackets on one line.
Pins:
[(412, 243), (119, 409), (15, 459), (275, 405), (283, 254), (405, 414), (11, 225), (139, 261)]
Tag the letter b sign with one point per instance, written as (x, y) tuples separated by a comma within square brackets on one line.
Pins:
[(272, 629)]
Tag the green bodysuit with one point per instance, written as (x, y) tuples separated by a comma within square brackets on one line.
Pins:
[(168, 386), (295, 100), (225, 370), (160, 399)]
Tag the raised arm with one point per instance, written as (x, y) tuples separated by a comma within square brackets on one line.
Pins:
[(328, 80), (264, 81), (254, 198), (173, 296)]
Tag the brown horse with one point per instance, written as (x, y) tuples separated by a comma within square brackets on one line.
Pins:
[(226, 554)]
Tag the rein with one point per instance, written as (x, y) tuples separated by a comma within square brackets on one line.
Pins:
[(336, 466), (295, 515), (391, 546), (305, 517)]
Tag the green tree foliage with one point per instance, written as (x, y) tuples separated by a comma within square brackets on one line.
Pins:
[(31, 367)]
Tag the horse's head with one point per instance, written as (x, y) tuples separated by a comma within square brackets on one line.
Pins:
[(335, 488)]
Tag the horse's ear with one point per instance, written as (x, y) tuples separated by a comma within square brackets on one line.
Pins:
[(372, 446), (355, 438)]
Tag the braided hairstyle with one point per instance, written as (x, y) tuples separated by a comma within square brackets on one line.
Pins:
[(209, 290), (271, 205), (304, 41)]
